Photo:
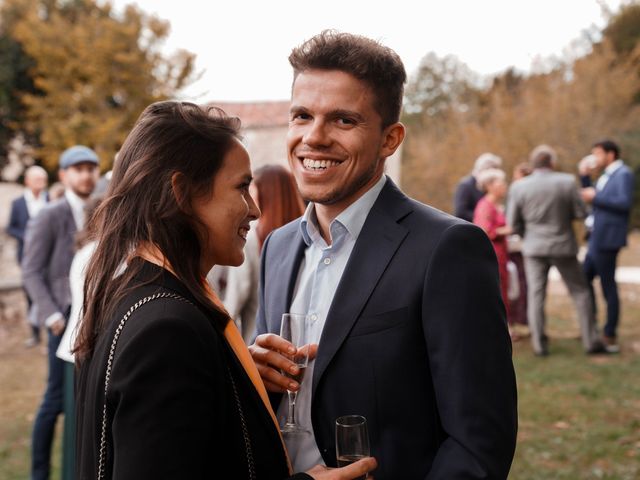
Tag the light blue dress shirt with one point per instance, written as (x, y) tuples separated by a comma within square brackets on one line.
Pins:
[(318, 279), (604, 178)]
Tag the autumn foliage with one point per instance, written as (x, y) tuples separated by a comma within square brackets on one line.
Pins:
[(94, 70)]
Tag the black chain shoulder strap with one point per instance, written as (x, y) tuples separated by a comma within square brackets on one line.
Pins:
[(116, 336)]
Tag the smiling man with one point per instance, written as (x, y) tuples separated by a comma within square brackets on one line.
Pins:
[(404, 299)]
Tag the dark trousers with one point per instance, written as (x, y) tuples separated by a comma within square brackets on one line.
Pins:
[(602, 263), (69, 437), (50, 408), (518, 309)]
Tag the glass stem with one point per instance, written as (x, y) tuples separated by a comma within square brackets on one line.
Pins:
[(291, 415)]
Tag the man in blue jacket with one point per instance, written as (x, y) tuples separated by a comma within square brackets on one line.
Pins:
[(611, 200)]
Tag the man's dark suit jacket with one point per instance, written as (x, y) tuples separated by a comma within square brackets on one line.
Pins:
[(18, 220), (611, 208), (415, 340)]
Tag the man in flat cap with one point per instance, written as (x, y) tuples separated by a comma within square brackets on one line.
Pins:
[(48, 252)]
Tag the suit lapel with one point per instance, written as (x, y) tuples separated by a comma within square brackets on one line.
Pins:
[(67, 218), (23, 209), (288, 266), (612, 178), (377, 243)]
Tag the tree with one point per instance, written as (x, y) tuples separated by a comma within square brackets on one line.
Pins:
[(94, 70), (440, 85), (14, 78), (623, 29)]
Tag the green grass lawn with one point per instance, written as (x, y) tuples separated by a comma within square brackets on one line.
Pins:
[(579, 415)]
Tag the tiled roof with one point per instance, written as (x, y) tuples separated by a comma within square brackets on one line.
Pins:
[(258, 114)]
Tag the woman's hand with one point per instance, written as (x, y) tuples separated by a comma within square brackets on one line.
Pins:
[(350, 472), (504, 231)]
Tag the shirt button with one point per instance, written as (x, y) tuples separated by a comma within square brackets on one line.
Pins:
[(314, 317), (327, 261)]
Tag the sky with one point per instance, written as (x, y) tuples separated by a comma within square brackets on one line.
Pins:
[(242, 46)]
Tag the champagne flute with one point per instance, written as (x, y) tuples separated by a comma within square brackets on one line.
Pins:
[(294, 328), (352, 440)]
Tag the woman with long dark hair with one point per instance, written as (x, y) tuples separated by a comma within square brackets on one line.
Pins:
[(166, 387)]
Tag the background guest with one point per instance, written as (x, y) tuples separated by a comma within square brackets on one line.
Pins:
[(48, 252), (489, 215), (23, 208), (467, 192), (520, 171), (518, 306), (542, 208), (56, 191), (611, 200)]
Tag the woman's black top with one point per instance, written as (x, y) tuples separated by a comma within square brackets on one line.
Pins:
[(179, 403)]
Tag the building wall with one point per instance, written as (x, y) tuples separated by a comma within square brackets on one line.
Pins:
[(266, 145)]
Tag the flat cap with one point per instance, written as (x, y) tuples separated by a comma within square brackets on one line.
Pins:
[(77, 154)]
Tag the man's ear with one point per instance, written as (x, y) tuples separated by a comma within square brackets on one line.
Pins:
[(393, 136), (61, 173)]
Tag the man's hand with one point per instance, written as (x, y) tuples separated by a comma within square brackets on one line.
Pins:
[(356, 470), (57, 327), (271, 354), (587, 165), (588, 194)]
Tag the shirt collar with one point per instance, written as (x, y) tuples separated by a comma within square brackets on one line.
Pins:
[(350, 220), (30, 197), (75, 202), (613, 166)]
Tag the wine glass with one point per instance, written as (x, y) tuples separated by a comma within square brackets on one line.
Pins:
[(352, 440), (294, 328)]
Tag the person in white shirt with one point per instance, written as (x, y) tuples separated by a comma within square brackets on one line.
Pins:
[(48, 252)]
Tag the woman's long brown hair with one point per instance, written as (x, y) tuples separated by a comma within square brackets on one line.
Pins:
[(171, 140), (278, 199)]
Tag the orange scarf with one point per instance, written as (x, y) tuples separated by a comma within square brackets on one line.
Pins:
[(152, 254)]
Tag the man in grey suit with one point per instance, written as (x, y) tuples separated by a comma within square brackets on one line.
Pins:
[(541, 209), (48, 252)]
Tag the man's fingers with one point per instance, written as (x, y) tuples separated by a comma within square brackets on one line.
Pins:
[(275, 342), (265, 357), (274, 377), (357, 469), (313, 351), (273, 387), (271, 355)]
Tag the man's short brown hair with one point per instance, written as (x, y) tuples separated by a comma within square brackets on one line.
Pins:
[(366, 59)]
